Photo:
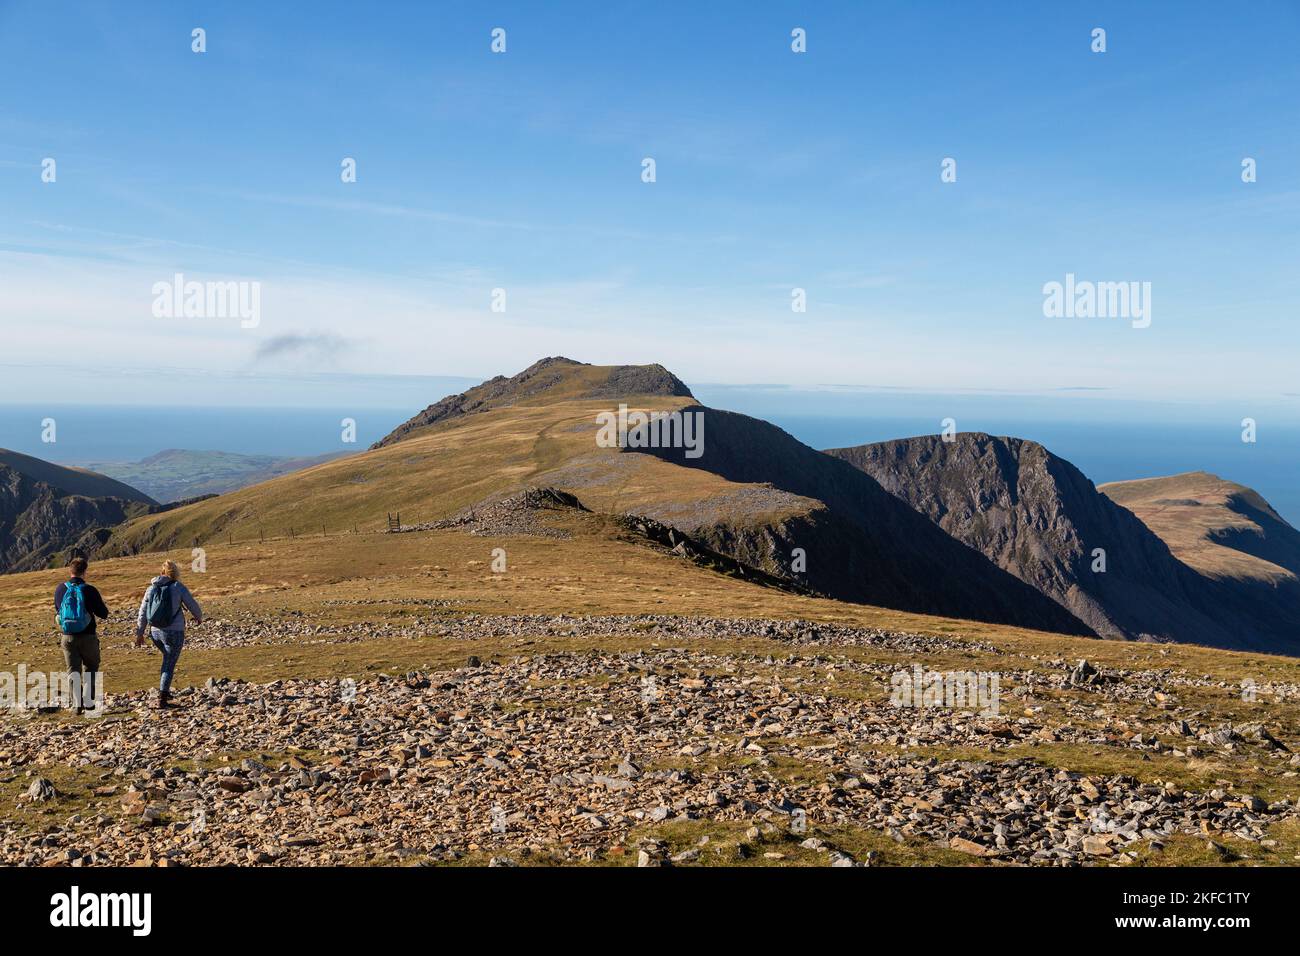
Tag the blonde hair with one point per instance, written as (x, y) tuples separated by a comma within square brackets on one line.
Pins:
[(170, 570)]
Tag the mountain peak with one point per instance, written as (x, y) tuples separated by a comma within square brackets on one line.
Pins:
[(548, 362), (548, 380)]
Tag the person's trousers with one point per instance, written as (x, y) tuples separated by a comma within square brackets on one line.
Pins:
[(169, 644), (81, 654)]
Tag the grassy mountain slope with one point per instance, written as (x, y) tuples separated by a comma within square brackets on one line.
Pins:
[(1247, 556), (1221, 528)]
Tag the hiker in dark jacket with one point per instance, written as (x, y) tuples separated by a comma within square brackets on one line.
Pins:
[(79, 639), (163, 611)]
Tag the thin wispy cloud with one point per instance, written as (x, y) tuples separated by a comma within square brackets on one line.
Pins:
[(399, 211), (387, 209)]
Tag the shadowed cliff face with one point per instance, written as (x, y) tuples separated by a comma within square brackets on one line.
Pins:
[(1275, 541), (1041, 519), (38, 521), (860, 543)]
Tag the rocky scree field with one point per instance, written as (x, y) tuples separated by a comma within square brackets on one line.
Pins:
[(607, 702)]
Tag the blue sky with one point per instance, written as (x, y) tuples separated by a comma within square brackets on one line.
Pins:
[(775, 170)]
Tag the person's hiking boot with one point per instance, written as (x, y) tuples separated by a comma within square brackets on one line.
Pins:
[(164, 699)]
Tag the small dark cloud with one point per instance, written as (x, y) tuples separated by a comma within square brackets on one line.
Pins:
[(317, 346)]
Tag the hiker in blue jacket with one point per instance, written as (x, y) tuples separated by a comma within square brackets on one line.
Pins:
[(77, 604), (163, 611)]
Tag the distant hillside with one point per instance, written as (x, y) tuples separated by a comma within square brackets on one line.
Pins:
[(176, 474), (1248, 555), (1040, 518), (1221, 528), (45, 509)]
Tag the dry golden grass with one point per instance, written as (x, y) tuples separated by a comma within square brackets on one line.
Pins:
[(1188, 511), (593, 572), (433, 474)]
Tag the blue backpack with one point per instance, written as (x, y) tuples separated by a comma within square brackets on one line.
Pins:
[(73, 616), (158, 609)]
